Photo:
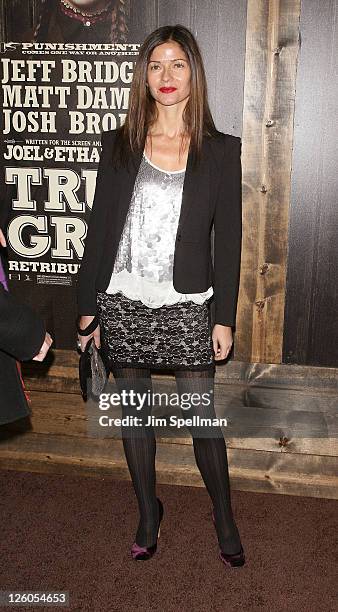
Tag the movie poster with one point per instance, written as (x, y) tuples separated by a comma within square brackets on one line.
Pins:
[(65, 78)]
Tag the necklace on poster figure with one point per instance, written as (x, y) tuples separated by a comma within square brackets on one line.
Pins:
[(87, 19)]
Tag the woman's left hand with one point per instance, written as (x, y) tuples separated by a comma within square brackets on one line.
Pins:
[(222, 341)]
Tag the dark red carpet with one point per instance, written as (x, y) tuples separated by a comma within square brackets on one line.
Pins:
[(74, 534)]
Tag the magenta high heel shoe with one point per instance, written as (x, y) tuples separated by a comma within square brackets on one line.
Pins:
[(233, 560), (143, 553)]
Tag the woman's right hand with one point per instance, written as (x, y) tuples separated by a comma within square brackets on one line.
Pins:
[(84, 322)]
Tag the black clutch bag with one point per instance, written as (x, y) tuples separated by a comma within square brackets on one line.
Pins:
[(93, 371)]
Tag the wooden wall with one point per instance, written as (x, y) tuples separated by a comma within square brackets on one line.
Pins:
[(270, 73), (272, 38), (281, 434), (269, 68), (311, 321)]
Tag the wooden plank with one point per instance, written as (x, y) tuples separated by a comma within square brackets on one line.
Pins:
[(281, 375), (59, 372), (313, 431), (272, 46), (229, 397), (248, 426), (267, 404), (256, 426), (249, 470), (143, 19), (173, 12)]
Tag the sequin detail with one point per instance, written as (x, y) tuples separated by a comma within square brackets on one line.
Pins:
[(175, 337), (143, 268)]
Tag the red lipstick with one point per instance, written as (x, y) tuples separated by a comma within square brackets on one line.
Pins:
[(167, 89)]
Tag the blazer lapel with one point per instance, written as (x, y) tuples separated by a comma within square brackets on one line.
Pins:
[(128, 181), (196, 181)]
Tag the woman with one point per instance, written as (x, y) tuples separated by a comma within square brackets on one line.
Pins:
[(147, 281), (23, 336)]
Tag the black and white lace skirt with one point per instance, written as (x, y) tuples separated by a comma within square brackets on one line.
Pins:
[(174, 337)]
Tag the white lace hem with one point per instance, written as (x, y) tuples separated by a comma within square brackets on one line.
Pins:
[(152, 294)]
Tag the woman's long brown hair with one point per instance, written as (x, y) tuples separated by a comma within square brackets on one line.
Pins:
[(142, 111)]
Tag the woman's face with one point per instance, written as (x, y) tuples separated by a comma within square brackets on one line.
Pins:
[(168, 74)]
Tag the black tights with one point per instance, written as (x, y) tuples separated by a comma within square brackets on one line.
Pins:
[(210, 454)]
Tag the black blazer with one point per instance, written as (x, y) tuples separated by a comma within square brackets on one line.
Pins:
[(212, 196), (22, 333)]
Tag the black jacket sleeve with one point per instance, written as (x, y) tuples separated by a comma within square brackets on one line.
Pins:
[(22, 331), (228, 233), (86, 291)]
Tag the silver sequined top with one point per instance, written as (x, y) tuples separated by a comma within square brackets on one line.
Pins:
[(143, 268)]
